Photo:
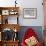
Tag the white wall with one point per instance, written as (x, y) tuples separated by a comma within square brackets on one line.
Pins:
[(27, 4), (33, 4)]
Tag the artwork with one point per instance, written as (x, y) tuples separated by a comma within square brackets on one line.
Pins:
[(5, 12), (30, 13)]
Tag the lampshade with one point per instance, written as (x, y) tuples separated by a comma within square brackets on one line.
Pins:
[(15, 30)]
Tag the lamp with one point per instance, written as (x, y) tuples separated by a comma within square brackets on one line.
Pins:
[(15, 3), (15, 30), (15, 37)]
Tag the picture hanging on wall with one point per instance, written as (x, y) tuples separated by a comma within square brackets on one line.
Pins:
[(30, 13)]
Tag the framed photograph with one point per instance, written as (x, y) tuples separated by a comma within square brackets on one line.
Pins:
[(30, 13)]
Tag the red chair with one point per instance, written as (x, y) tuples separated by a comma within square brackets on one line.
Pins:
[(29, 33)]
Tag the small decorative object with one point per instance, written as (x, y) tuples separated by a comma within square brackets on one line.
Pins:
[(30, 13), (5, 12), (13, 12)]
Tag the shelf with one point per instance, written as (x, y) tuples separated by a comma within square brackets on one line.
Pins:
[(8, 15), (6, 12), (10, 26), (11, 41), (9, 10), (10, 19)]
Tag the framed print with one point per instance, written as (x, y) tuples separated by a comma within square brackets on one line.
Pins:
[(5, 12), (30, 13)]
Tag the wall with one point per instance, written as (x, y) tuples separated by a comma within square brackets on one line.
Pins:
[(32, 4), (27, 4)]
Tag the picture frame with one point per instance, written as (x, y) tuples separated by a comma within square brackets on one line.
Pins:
[(30, 13), (5, 12)]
